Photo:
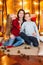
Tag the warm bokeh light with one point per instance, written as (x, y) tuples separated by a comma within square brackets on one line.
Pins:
[(40, 12), (37, 12), (5, 60), (31, 6), (41, 33), (20, 3), (4, 21), (36, 22), (35, 3), (0, 33), (4, 24), (27, 10), (1, 3), (10, 6), (23, 3)]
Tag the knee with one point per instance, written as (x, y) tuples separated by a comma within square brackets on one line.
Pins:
[(22, 34), (36, 44), (12, 36), (22, 41)]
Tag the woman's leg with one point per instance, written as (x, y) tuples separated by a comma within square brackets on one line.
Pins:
[(19, 42)]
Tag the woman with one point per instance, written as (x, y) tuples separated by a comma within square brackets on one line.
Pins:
[(15, 30)]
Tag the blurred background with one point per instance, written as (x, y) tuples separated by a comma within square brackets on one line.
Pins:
[(12, 7)]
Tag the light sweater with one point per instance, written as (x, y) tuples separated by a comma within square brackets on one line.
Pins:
[(29, 28)]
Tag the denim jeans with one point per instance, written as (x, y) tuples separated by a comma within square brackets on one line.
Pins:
[(10, 42), (29, 39), (19, 42)]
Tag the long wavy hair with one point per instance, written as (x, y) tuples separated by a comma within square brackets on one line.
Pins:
[(18, 14)]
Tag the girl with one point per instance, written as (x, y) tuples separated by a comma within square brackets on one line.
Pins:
[(15, 30), (29, 31)]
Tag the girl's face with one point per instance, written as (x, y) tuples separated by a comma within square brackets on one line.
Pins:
[(21, 14), (13, 16), (27, 17)]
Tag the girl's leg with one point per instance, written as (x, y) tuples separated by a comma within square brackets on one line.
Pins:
[(19, 42), (26, 38), (9, 42), (6, 43), (29, 39), (34, 41)]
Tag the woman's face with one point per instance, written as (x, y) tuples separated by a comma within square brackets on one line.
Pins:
[(21, 14)]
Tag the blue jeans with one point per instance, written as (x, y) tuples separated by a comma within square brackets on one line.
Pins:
[(10, 42), (19, 42)]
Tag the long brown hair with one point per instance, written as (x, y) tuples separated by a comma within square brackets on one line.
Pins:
[(18, 14)]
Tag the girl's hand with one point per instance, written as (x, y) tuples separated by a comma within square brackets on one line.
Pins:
[(12, 36), (13, 16), (34, 34), (6, 38)]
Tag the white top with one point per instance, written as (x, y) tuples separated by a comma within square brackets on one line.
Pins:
[(29, 28)]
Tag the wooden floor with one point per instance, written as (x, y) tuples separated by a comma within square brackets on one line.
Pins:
[(20, 59)]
